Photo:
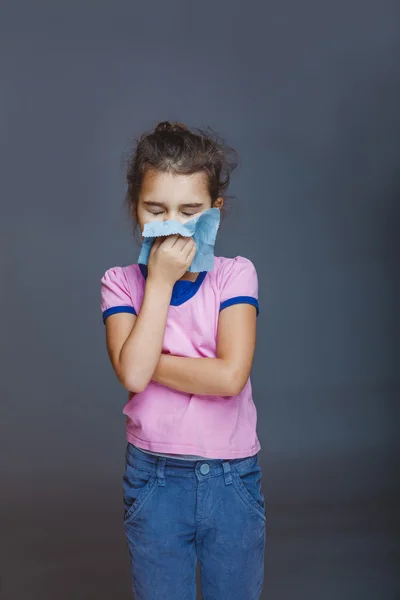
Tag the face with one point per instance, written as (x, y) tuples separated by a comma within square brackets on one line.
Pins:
[(166, 196)]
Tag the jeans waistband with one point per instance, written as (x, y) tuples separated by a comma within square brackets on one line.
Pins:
[(185, 468)]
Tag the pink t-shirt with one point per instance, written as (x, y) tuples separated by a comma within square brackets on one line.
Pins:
[(164, 420)]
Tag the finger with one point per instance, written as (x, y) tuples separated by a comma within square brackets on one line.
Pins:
[(192, 250), (181, 242), (156, 244), (171, 240), (186, 242)]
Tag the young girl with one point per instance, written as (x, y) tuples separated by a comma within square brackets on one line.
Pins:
[(182, 344)]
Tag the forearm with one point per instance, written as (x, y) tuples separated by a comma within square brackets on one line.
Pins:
[(208, 376), (141, 351)]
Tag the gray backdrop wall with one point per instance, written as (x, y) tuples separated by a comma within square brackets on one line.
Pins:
[(309, 94)]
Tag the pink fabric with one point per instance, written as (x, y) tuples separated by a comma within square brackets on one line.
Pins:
[(164, 420)]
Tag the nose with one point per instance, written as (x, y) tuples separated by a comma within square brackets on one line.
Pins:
[(176, 218)]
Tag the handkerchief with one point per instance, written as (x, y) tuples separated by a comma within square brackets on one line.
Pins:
[(203, 229)]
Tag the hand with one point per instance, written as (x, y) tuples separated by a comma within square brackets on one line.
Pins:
[(170, 257)]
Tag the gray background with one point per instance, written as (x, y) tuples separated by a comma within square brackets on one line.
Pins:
[(309, 94)]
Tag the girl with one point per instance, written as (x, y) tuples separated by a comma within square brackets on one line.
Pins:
[(182, 344)]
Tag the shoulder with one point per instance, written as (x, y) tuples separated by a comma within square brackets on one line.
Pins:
[(119, 286), (236, 267), (236, 278), (121, 274)]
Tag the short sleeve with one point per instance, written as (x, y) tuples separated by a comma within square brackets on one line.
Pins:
[(114, 293), (239, 283)]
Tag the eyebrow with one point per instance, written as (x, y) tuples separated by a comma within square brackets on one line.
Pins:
[(185, 204)]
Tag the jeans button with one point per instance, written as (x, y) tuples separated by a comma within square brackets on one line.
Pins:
[(204, 469)]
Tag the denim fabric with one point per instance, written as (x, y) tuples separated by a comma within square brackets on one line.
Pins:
[(179, 512)]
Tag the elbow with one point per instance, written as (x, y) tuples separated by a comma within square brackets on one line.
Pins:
[(233, 390), (236, 383), (133, 383), (133, 378), (136, 388)]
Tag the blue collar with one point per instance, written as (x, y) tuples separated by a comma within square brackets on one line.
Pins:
[(183, 289)]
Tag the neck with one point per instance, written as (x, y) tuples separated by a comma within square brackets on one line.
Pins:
[(189, 276)]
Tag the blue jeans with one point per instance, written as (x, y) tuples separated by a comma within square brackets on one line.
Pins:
[(180, 512)]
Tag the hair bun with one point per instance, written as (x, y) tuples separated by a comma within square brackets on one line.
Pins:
[(170, 127)]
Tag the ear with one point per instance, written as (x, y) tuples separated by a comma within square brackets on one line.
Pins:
[(218, 203)]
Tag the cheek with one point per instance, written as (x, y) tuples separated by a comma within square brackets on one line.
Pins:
[(142, 218), (145, 217)]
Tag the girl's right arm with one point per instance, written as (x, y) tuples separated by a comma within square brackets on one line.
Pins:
[(134, 344)]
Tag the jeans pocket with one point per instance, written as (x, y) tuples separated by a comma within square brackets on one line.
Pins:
[(247, 483), (137, 486)]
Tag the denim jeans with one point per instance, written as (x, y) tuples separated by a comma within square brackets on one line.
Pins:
[(179, 512)]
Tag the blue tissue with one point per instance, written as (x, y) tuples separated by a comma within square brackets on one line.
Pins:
[(203, 229)]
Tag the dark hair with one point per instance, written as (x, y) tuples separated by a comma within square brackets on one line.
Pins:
[(174, 148)]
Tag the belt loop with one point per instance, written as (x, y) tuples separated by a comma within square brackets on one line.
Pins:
[(160, 470), (227, 472)]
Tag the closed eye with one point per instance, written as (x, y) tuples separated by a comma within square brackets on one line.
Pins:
[(161, 212)]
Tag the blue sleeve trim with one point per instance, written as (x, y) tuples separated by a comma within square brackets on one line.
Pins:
[(118, 309), (240, 300)]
